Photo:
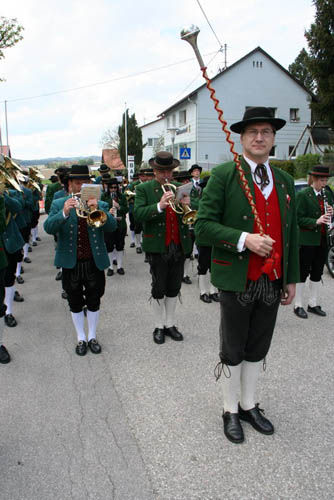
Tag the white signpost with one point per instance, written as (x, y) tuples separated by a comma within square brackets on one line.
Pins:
[(131, 167)]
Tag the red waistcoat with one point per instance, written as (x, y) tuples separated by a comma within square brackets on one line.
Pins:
[(172, 227), (270, 216)]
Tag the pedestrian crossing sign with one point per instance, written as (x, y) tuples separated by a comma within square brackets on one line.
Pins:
[(185, 153)]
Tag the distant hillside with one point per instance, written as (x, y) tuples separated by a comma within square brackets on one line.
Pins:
[(58, 159)]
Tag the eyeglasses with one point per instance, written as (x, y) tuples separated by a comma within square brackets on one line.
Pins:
[(253, 132)]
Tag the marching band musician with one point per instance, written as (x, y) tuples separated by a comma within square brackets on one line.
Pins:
[(314, 212), (251, 285), (4, 354), (166, 241), (82, 254)]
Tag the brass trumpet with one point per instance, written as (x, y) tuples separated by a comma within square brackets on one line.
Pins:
[(9, 175), (189, 215), (95, 218), (129, 194)]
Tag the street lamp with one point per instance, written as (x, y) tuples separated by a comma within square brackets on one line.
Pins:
[(172, 132)]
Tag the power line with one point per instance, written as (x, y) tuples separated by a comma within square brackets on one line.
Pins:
[(213, 31), (105, 82)]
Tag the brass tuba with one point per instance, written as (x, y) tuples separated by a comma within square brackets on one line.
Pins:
[(95, 218)]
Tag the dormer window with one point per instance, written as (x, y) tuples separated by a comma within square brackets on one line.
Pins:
[(294, 114)]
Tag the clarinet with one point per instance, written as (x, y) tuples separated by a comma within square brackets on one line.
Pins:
[(114, 198)]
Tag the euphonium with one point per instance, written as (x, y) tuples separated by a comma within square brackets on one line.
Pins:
[(95, 217)]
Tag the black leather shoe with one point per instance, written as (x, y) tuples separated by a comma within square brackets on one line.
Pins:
[(18, 297), (139, 250), (38, 238), (120, 271), (59, 276), (132, 245), (94, 346), (159, 335), (34, 243), (316, 310), (232, 427), (4, 355), (256, 419), (300, 312), (110, 272), (186, 280), (27, 260), (10, 320), (81, 348), (173, 333), (29, 249), (64, 295), (215, 297), (20, 280), (205, 298)]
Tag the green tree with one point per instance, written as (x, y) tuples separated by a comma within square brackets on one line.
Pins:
[(300, 70), (320, 38), (86, 161), (135, 139), (10, 34)]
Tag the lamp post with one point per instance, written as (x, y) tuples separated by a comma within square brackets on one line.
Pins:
[(172, 132)]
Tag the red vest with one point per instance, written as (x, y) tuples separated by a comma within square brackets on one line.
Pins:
[(322, 208), (172, 227), (270, 216)]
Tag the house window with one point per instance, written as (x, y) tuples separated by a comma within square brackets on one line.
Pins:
[(182, 117), (257, 64), (273, 152), (150, 142), (294, 115), (291, 148)]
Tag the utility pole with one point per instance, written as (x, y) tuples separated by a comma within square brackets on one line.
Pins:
[(126, 136), (6, 122)]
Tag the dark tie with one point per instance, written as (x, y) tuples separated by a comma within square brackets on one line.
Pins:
[(261, 176)]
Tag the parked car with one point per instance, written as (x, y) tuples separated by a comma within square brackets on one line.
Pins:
[(300, 184)]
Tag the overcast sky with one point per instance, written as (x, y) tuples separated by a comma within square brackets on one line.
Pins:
[(73, 43)]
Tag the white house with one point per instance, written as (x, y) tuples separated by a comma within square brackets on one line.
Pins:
[(254, 80)]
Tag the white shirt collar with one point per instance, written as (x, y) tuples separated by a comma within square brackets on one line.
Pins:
[(253, 165)]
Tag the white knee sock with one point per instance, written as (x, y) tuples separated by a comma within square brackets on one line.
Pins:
[(138, 238), (249, 375), (9, 297), (79, 324), (119, 257), (213, 289), (110, 259), (18, 269), (33, 234), (132, 233), (159, 311), (25, 250), (203, 283), (187, 264), (114, 254), (231, 388), (314, 293), (195, 250), (170, 303), (299, 294), (92, 319)]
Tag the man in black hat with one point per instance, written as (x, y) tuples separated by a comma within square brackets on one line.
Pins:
[(255, 272), (82, 254), (314, 213), (103, 169), (166, 241)]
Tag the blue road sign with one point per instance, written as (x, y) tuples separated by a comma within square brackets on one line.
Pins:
[(185, 153)]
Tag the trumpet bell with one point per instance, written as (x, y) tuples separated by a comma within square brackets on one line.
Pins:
[(189, 216), (97, 218), (190, 35)]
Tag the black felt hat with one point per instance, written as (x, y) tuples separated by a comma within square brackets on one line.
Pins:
[(80, 172), (319, 171), (193, 167), (164, 160), (104, 168), (256, 115), (181, 175)]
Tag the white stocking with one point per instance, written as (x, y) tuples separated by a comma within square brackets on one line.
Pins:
[(187, 264), (170, 303), (213, 289), (138, 243), (159, 311), (249, 375), (79, 324), (314, 293), (18, 269), (92, 319), (203, 283), (9, 297), (299, 294), (231, 388), (132, 236), (110, 259), (119, 257), (25, 250)]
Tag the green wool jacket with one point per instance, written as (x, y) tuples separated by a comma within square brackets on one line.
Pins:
[(3, 258), (121, 211), (50, 191), (308, 211), (148, 194), (224, 213)]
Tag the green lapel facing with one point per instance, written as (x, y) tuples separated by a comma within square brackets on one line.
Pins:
[(282, 193)]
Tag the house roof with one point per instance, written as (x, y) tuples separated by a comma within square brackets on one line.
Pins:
[(111, 158), (150, 123), (5, 150), (257, 49)]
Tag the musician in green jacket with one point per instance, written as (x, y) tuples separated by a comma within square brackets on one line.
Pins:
[(4, 354), (166, 241), (255, 272), (314, 213)]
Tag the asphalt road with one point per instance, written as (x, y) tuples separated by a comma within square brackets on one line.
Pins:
[(142, 421)]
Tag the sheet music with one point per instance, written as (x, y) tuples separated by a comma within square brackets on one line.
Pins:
[(89, 191), (183, 190)]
